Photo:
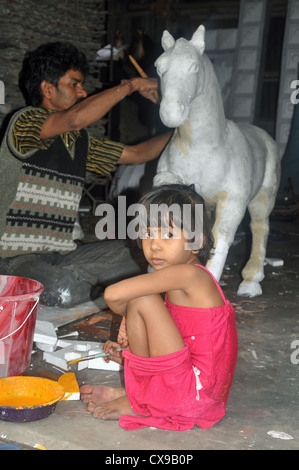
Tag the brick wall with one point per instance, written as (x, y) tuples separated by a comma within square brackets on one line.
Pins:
[(25, 24)]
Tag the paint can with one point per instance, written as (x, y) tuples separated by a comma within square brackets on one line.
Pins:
[(19, 299)]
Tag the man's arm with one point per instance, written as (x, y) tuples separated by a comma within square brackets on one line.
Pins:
[(94, 107), (145, 151)]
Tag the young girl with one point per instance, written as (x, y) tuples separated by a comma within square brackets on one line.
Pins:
[(182, 350)]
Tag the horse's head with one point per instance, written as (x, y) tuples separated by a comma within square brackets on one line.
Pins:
[(178, 68)]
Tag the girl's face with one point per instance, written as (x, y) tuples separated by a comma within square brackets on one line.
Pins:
[(166, 247)]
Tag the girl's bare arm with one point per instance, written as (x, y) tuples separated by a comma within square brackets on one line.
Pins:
[(178, 277)]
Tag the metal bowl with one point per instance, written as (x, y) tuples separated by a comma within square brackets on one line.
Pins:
[(25, 399)]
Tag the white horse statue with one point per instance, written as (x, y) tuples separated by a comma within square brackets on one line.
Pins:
[(232, 166)]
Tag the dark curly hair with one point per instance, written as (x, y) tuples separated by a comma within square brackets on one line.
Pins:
[(180, 194), (48, 62)]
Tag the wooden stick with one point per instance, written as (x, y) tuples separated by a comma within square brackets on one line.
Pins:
[(142, 73), (137, 67)]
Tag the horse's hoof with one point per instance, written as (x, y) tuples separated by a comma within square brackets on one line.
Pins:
[(249, 289)]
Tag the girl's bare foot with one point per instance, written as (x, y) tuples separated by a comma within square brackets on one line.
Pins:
[(111, 410), (98, 394)]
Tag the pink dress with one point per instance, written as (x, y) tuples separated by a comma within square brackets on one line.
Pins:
[(189, 387)]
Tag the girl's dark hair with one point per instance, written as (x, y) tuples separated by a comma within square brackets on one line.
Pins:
[(48, 62), (180, 195)]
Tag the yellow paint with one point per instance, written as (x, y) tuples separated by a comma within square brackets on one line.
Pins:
[(183, 137), (39, 447), (69, 383), (21, 401), (26, 392)]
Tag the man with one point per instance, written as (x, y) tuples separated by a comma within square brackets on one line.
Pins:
[(43, 159)]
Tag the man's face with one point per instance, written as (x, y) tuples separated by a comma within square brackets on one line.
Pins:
[(68, 91)]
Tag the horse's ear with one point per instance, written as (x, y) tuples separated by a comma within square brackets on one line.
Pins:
[(167, 40), (198, 38)]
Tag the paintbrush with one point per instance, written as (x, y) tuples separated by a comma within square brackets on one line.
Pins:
[(94, 356), (141, 73)]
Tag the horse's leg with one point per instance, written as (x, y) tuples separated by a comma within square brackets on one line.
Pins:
[(229, 214), (260, 209), (253, 273)]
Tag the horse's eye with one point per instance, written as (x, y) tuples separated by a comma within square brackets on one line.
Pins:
[(193, 68), (160, 71)]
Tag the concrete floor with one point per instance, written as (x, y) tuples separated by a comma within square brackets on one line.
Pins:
[(264, 395)]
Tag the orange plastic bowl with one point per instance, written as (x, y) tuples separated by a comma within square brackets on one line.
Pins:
[(28, 398)]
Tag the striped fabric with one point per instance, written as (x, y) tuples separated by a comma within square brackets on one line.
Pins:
[(26, 131), (42, 215), (103, 153), (48, 177)]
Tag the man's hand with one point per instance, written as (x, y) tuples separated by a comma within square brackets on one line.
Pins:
[(147, 87)]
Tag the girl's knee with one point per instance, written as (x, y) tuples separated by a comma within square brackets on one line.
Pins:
[(145, 302)]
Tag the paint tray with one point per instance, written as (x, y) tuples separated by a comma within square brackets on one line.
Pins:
[(25, 399)]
